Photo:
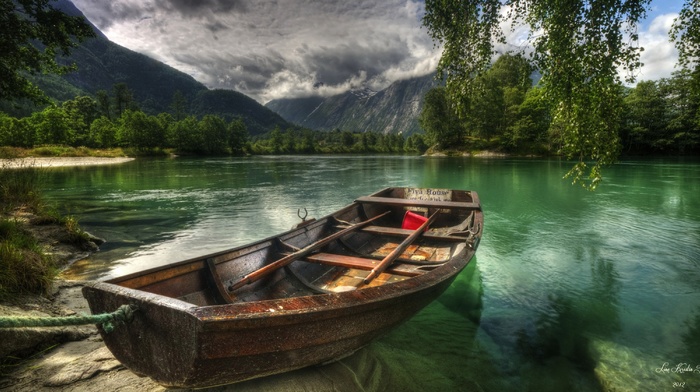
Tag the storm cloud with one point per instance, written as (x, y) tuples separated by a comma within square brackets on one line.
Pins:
[(270, 49)]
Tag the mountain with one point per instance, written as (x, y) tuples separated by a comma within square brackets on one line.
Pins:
[(102, 64), (392, 110)]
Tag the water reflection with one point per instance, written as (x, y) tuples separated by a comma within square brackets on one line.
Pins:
[(465, 296), (573, 317)]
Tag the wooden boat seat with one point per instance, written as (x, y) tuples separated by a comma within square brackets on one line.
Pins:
[(366, 264), (399, 232), (216, 283), (417, 203)]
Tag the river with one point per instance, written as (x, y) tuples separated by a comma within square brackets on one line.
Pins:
[(569, 289)]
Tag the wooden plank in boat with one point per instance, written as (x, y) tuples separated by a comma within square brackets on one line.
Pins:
[(395, 231), (391, 201), (348, 279), (422, 254), (441, 254), (364, 264)]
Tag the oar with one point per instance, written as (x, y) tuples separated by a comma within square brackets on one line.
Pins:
[(260, 273), (399, 250)]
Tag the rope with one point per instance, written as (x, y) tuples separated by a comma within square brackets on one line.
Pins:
[(109, 321)]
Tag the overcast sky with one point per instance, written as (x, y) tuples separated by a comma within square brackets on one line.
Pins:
[(270, 49)]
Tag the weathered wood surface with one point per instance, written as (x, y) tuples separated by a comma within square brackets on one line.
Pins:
[(266, 270), (399, 249), (418, 203)]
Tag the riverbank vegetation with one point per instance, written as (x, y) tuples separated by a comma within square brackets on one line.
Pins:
[(115, 123), (507, 112), (306, 141), (25, 264), (579, 49)]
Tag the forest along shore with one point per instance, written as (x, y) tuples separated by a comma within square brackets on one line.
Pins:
[(60, 161)]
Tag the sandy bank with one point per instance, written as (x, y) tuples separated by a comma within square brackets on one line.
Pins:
[(60, 161)]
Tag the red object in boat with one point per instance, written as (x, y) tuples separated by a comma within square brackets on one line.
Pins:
[(412, 221)]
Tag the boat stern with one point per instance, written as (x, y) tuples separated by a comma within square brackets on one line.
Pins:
[(160, 340)]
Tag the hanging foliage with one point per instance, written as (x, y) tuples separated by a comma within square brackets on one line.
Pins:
[(578, 46)]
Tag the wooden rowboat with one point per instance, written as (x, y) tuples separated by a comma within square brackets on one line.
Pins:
[(309, 296)]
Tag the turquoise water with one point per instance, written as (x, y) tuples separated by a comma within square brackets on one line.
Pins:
[(570, 289)]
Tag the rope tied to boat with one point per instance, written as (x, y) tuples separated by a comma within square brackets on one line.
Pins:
[(108, 321)]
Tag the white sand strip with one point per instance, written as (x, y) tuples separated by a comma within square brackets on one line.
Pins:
[(59, 162)]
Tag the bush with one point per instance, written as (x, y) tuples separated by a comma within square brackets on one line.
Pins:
[(52, 151), (18, 186), (11, 153), (74, 233), (24, 267)]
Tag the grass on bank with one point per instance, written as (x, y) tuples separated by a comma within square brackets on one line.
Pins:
[(25, 267), (59, 151)]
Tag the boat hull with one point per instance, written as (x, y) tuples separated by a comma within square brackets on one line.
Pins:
[(179, 345)]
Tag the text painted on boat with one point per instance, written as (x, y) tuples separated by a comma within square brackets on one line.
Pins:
[(428, 194)]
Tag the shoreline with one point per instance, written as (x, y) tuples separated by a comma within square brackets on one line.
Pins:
[(43, 162)]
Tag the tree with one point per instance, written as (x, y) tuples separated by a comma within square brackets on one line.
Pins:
[(178, 106), (103, 103), (276, 140), (645, 116), (141, 131), (686, 33), (578, 47), (122, 98), (682, 106), (16, 133), (32, 33), (307, 144), (532, 119), (103, 133), (238, 136), (185, 136), (415, 143), (214, 133), (53, 126), (347, 139), (289, 142), (497, 94), (441, 125), (81, 111)]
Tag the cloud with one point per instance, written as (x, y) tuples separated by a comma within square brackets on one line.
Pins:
[(660, 55), (268, 49), (199, 8)]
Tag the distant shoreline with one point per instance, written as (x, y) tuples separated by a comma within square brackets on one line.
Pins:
[(41, 162)]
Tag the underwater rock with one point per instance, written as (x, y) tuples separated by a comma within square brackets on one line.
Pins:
[(619, 368)]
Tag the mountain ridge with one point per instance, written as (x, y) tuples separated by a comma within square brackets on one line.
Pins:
[(394, 109), (102, 63)]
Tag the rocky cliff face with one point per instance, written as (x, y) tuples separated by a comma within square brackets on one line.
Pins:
[(392, 110)]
